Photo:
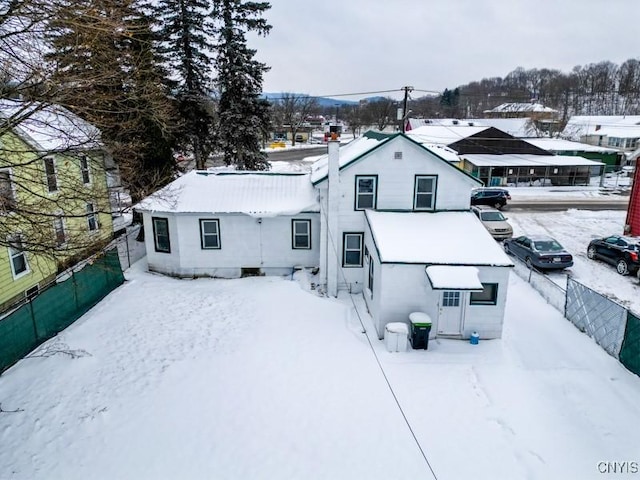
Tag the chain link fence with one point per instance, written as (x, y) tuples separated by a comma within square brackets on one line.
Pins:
[(58, 305), (615, 328), (131, 246), (596, 315)]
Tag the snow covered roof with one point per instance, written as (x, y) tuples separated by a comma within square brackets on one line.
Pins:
[(348, 153), (581, 125), (521, 107), (440, 238), (49, 128), (526, 160), (443, 134), (253, 193), (522, 127), (445, 277), (560, 145), (622, 131), (449, 154)]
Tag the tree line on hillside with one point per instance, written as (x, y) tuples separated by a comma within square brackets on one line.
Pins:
[(603, 88)]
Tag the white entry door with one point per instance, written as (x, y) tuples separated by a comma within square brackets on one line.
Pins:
[(450, 313)]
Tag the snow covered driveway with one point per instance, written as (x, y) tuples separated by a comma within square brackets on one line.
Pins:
[(259, 379)]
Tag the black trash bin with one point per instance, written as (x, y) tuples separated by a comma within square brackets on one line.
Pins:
[(420, 329)]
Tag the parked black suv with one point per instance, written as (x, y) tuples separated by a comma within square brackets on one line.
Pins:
[(623, 252), (494, 197)]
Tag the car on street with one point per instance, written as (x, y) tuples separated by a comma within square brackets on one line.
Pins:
[(494, 221), (494, 197), (620, 251), (539, 251)]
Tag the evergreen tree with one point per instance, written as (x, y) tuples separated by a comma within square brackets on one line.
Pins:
[(244, 118), (109, 74), (186, 29)]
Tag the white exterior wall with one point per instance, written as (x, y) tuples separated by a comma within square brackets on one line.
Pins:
[(246, 242), (406, 289), (395, 188)]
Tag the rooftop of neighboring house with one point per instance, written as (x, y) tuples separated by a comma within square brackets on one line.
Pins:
[(441, 238), (49, 128), (260, 194), (560, 145), (583, 125), (527, 160), (521, 108), (521, 127), (444, 134)]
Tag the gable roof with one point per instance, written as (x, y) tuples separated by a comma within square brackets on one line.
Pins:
[(49, 128), (259, 194), (363, 146), (434, 238), (444, 134)]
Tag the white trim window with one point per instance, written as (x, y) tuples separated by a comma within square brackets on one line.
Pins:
[(59, 232), (210, 234), (7, 193), (92, 217), (50, 173), (18, 257), (85, 174), (301, 234), (424, 196), (161, 239), (352, 249), (366, 190)]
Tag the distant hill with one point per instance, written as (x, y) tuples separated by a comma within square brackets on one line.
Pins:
[(322, 101)]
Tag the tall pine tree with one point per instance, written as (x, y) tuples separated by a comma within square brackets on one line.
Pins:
[(186, 29), (110, 75), (243, 117)]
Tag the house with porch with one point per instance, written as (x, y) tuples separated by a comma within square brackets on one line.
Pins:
[(382, 216)]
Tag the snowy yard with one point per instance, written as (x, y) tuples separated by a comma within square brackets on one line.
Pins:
[(260, 378)]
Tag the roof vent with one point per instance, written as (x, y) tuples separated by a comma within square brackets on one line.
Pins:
[(397, 155)]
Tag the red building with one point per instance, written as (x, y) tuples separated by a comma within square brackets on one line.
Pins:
[(633, 213)]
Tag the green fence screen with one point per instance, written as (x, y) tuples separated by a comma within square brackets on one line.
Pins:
[(57, 307), (630, 350)]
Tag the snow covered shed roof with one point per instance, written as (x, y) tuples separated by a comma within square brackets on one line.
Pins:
[(560, 145), (444, 134), (525, 160), (260, 194), (440, 238), (49, 128), (445, 277)]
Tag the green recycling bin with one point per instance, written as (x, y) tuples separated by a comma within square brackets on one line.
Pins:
[(420, 329)]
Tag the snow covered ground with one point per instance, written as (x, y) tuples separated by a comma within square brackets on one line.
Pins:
[(260, 378)]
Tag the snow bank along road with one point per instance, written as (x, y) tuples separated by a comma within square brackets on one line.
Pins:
[(259, 379)]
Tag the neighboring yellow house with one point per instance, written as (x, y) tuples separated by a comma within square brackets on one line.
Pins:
[(54, 200)]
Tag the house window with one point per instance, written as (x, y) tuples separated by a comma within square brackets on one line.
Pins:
[(209, 234), (60, 234), (161, 235), (92, 217), (18, 256), (50, 171), (370, 282), (352, 252), (301, 234), (7, 197), (366, 189), (84, 170), (488, 295), (450, 299), (424, 197)]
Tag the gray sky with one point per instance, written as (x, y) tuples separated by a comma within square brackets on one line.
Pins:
[(333, 47)]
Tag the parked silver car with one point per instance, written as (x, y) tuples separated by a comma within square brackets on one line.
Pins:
[(494, 221)]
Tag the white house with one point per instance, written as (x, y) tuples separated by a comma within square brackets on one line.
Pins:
[(359, 206), (232, 224)]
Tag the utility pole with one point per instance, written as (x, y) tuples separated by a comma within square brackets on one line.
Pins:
[(404, 105)]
